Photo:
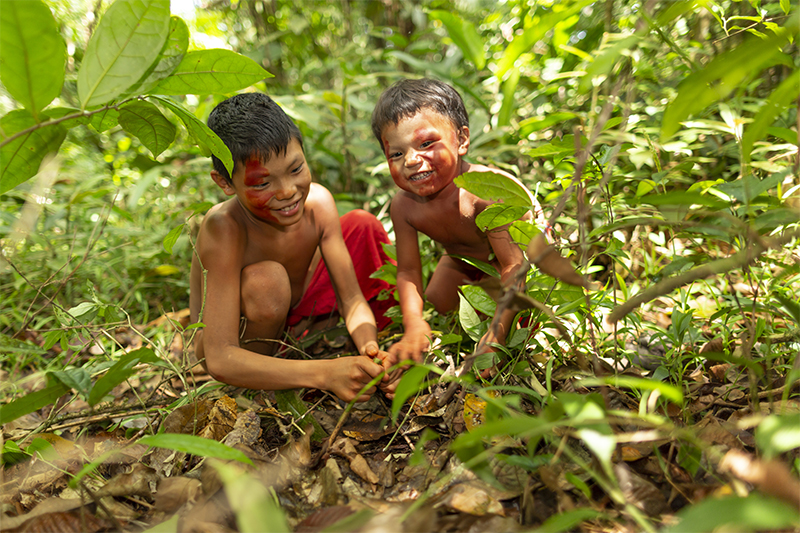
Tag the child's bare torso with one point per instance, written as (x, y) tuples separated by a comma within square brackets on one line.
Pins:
[(291, 246)]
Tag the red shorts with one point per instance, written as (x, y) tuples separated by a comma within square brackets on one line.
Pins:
[(364, 236)]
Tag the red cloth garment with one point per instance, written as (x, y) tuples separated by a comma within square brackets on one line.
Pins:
[(363, 235)]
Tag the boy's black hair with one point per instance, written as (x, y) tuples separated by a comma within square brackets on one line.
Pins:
[(251, 124), (406, 97)]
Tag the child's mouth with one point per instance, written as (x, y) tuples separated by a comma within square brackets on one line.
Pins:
[(288, 208), (421, 176)]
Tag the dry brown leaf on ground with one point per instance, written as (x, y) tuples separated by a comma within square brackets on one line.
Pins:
[(770, 477)]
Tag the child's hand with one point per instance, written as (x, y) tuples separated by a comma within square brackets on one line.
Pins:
[(415, 341), (349, 375), (388, 386)]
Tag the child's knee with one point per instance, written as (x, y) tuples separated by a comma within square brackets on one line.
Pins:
[(266, 292)]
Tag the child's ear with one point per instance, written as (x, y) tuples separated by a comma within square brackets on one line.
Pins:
[(223, 183), (463, 140)]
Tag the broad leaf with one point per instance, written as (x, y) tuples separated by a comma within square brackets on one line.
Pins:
[(195, 446), (533, 124), (172, 237), (105, 119), (469, 319), (721, 76), (413, 381), (682, 198), (77, 379), (497, 215), (168, 60), (214, 71), (478, 299), (33, 401), (20, 159), (495, 187), (144, 121), (201, 133), (124, 46), (777, 434), (32, 54), (732, 513), (119, 372), (781, 98), (464, 35), (253, 503)]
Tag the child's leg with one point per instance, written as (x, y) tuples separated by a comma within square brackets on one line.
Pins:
[(442, 290), (266, 296)]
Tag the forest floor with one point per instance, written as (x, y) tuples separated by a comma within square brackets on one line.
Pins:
[(360, 471)]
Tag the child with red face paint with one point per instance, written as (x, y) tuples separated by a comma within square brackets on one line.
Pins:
[(275, 252), (423, 128)]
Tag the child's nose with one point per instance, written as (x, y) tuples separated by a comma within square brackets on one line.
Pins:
[(412, 158), (286, 190)]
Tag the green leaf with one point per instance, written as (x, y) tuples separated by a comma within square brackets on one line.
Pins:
[(119, 372), (172, 237), (468, 318), (716, 81), (732, 513), (201, 133), (144, 121), (168, 60), (33, 401), (21, 158), (410, 384), (125, 44), (214, 71), (777, 434), (32, 54), (464, 34), (509, 98), (195, 445), (255, 508), (777, 102), (558, 148), (523, 42), (568, 520), (495, 187), (75, 378), (670, 392), (478, 299), (105, 120), (747, 188), (497, 215), (605, 60)]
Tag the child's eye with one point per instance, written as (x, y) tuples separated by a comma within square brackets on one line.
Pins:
[(262, 185), (426, 144), (298, 169), (394, 155)]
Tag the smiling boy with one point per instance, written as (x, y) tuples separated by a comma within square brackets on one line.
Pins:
[(258, 256), (423, 128)]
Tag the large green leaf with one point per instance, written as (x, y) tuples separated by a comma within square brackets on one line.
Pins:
[(253, 503), (33, 401), (495, 187), (497, 215), (201, 133), (195, 445), (777, 434), (168, 60), (464, 35), (144, 121), (32, 54), (721, 76), (20, 159), (732, 513), (777, 102), (509, 98), (119, 372), (124, 46), (212, 71)]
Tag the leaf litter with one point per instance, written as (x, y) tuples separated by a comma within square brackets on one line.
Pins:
[(413, 473)]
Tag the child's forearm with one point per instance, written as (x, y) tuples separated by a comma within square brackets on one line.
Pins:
[(411, 302), (242, 368), (360, 322)]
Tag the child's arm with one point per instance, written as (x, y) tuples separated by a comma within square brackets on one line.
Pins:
[(220, 248), (510, 257), (358, 316), (416, 331)]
